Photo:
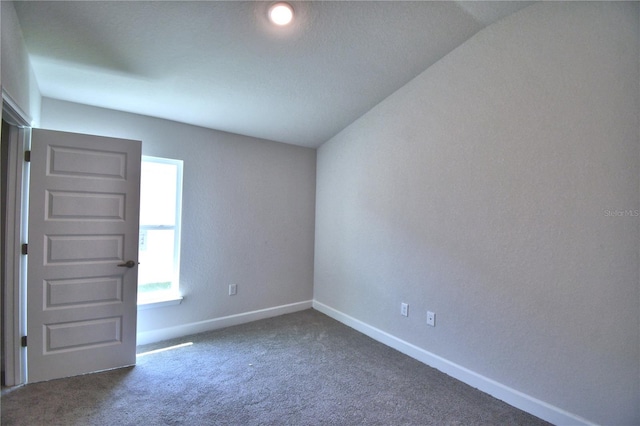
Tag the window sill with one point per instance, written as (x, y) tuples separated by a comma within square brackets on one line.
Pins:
[(159, 302)]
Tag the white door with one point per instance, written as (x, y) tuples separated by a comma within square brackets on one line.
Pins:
[(82, 254)]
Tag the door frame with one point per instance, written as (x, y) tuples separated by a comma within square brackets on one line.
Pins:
[(15, 231)]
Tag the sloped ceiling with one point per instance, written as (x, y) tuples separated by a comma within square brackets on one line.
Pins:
[(222, 65)]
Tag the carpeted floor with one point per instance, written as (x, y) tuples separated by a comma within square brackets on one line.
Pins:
[(297, 369)]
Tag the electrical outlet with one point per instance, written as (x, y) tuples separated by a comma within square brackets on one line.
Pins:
[(233, 289), (431, 318), (404, 309)]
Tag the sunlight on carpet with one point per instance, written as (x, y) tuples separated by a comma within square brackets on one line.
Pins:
[(168, 348)]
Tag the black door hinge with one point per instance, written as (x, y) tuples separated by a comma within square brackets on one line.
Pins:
[(27, 156), (25, 249), (23, 341)]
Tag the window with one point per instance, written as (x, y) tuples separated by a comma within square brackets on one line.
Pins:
[(160, 211)]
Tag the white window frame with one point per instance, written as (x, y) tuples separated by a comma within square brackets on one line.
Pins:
[(172, 296)]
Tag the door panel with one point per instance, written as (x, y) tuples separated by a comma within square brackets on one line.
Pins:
[(83, 226)]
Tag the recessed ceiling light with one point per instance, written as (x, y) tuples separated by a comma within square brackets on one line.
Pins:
[(281, 13)]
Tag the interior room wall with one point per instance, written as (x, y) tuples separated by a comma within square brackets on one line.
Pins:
[(17, 77), (499, 189), (247, 216)]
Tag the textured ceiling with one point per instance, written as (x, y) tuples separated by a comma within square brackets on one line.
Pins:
[(221, 65)]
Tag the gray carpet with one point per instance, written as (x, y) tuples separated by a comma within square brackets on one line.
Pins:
[(297, 369)]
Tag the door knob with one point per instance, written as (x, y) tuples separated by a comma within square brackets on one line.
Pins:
[(128, 264)]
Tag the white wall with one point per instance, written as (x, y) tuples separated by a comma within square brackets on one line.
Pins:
[(248, 214), (16, 74), (486, 190)]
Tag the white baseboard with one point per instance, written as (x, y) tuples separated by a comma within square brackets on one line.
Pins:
[(154, 336), (504, 393)]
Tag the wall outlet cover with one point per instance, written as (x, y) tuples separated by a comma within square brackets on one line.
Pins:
[(431, 318)]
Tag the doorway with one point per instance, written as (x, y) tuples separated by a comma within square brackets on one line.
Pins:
[(15, 140)]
